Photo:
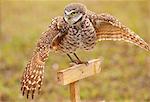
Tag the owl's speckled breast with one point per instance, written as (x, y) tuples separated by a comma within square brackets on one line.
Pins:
[(79, 36)]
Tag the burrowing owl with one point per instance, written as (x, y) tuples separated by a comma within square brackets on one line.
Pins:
[(78, 28)]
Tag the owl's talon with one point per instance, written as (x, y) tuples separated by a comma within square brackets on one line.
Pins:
[(83, 62), (76, 62), (80, 62)]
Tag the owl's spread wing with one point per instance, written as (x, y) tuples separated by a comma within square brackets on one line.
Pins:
[(109, 28), (33, 75)]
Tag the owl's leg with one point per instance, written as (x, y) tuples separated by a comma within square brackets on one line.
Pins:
[(71, 58), (79, 61)]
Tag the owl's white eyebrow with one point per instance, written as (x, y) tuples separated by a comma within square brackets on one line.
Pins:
[(68, 13)]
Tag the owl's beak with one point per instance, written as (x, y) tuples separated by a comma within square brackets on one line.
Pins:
[(68, 20), (67, 17)]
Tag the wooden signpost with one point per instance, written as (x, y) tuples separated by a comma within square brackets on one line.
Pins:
[(73, 74)]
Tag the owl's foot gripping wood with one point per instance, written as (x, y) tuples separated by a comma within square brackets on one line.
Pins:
[(78, 61)]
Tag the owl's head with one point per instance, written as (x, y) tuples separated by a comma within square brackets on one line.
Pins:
[(74, 13)]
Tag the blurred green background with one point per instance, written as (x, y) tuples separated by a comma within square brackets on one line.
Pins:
[(125, 75)]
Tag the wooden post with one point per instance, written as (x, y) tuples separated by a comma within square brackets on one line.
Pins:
[(73, 74), (74, 91)]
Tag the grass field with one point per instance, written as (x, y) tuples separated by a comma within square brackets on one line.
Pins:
[(125, 75)]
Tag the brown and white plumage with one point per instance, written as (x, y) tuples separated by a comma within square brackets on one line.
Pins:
[(109, 28), (78, 28), (33, 75)]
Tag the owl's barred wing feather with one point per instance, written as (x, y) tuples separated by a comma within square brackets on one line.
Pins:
[(33, 75), (109, 28)]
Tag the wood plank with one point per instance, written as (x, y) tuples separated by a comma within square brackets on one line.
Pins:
[(79, 72), (74, 92)]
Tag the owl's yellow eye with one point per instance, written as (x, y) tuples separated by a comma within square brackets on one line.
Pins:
[(73, 13)]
